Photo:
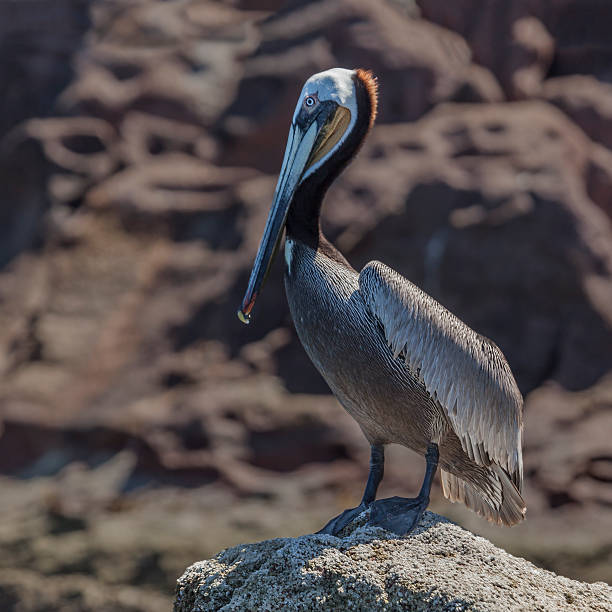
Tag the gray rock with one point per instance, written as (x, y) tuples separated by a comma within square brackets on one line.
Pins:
[(439, 567)]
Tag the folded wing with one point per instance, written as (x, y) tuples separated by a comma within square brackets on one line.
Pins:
[(465, 372)]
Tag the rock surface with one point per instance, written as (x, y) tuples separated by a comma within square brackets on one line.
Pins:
[(440, 567)]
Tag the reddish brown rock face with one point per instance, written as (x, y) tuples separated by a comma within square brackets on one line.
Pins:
[(142, 426)]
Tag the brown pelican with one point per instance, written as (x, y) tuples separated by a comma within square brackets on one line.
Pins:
[(405, 368)]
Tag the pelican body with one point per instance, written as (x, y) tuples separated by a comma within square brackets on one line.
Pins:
[(405, 368)]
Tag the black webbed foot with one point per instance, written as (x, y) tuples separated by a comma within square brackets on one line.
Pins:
[(338, 523), (397, 514)]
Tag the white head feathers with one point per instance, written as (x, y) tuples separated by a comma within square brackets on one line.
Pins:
[(335, 84), (338, 86)]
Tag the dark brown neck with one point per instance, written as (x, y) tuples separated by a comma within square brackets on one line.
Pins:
[(303, 220)]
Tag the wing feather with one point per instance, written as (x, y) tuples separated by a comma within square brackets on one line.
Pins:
[(465, 372)]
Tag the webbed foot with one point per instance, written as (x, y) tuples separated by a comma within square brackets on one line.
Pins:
[(397, 514), (338, 523)]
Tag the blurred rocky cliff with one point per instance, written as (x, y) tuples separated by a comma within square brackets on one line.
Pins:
[(142, 426)]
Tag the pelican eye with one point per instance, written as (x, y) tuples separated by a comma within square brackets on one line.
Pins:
[(309, 101)]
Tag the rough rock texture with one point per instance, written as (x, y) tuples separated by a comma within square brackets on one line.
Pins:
[(440, 567), (139, 146)]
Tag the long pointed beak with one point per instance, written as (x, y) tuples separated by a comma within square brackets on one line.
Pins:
[(297, 154)]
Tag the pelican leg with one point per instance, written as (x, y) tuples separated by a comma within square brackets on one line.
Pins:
[(401, 515), (377, 468)]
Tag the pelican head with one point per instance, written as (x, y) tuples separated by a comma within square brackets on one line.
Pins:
[(332, 116)]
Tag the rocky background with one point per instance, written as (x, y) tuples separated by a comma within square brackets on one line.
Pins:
[(142, 426)]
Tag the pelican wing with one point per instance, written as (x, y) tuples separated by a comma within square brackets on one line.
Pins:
[(463, 371)]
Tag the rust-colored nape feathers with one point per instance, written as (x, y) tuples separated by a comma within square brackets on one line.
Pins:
[(370, 82)]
